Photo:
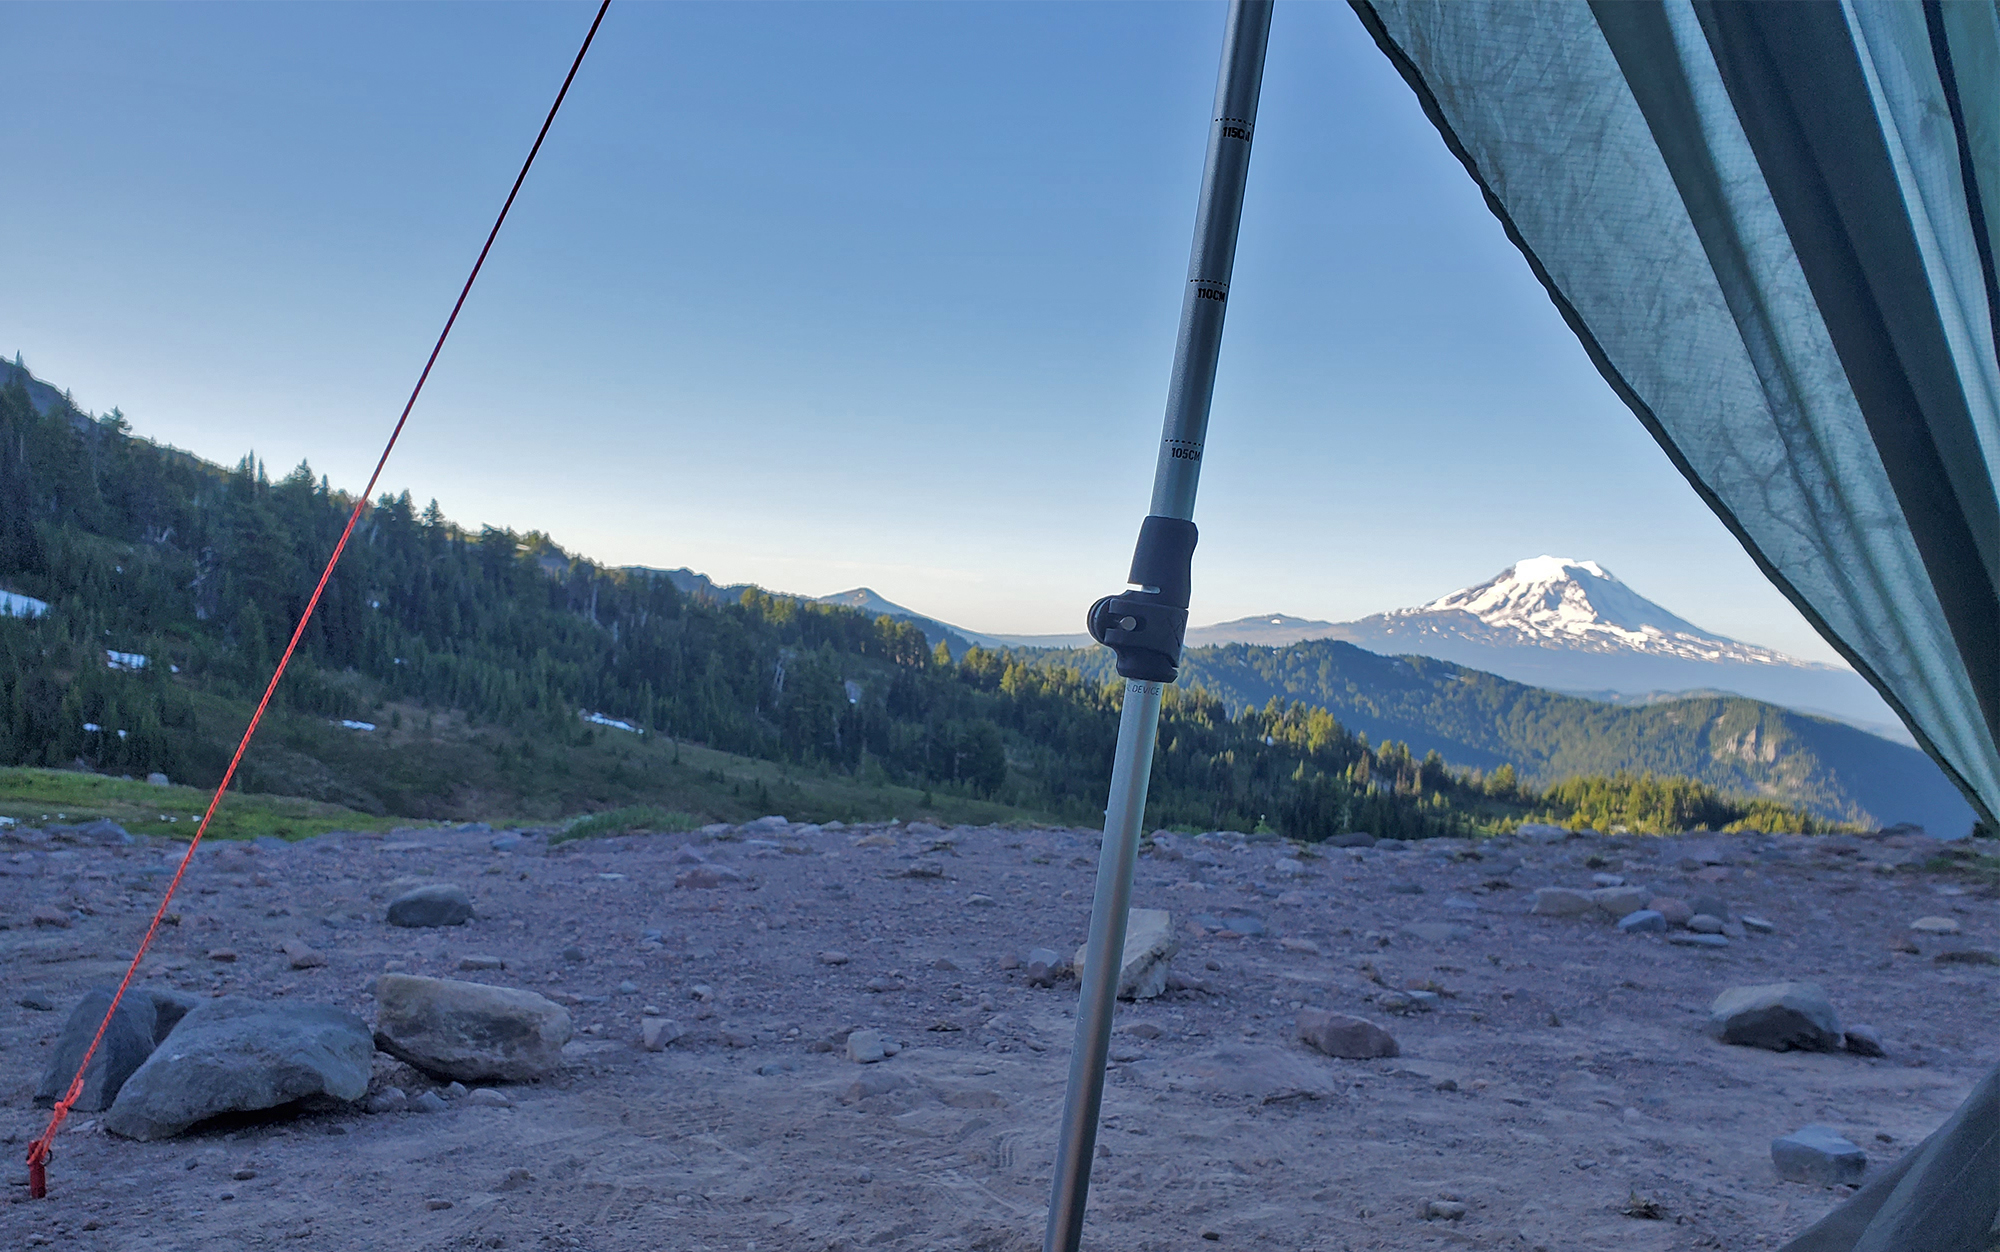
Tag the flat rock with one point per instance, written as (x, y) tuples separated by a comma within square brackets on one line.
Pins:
[(1149, 947), (1698, 941), (866, 1047), (1643, 921), (1673, 908), (1706, 924), (145, 1016), (435, 904), (234, 1055), (1264, 1074), (1351, 1038), (655, 1033), (469, 1031), (1779, 1016), (1616, 902), (1818, 1155), (1562, 902), (1935, 925), (1864, 1041), (1540, 833)]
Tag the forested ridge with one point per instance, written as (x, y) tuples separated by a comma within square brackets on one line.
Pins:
[(142, 549)]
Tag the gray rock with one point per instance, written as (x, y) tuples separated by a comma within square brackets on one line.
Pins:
[(866, 1047), (1643, 921), (436, 904), (1780, 1016), (655, 1033), (1864, 1041), (144, 1017), (1149, 947), (1674, 909), (1818, 1155), (104, 832), (1607, 880), (233, 1055), (1438, 932), (1698, 941), (159, 780), (1617, 902), (1540, 833), (1356, 839), (488, 1098), (428, 1102), (469, 1031), (1757, 924), (1706, 924), (1561, 902), (1044, 964), (388, 1100), (1337, 1034), (1713, 905)]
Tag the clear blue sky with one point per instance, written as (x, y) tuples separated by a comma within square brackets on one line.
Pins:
[(825, 295)]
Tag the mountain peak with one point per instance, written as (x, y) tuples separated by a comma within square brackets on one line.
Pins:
[(1555, 598)]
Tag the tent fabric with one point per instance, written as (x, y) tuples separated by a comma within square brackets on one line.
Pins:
[(1773, 228)]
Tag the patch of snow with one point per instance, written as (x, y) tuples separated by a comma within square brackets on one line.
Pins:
[(348, 723), (127, 661), (90, 728), (599, 719), (13, 604)]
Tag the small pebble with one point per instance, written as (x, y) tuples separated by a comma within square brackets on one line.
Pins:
[(437, 1202)]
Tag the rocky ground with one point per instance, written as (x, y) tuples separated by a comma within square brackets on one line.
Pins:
[(1554, 1089)]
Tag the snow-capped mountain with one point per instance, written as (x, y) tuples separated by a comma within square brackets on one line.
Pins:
[(1553, 601), (1573, 626)]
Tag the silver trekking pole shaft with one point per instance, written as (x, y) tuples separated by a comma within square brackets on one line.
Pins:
[(1146, 623)]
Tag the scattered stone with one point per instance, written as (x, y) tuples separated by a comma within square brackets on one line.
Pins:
[(38, 1002), (145, 1016), (488, 1098), (1438, 932), (1142, 1030), (1044, 965), (707, 876), (1706, 924), (435, 904), (1935, 925), (388, 1100), (1967, 956), (454, 1091), (222, 956), (303, 956), (866, 1047), (1643, 921), (436, 1203), (655, 1033), (1618, 902), (1698, 941), (1779, 1016), (1712, 905), (1674, 909), (232, 1055), (832, 957), (1149, 946), (1818, 1155), (1607, 880), (428, 1102), (1444, 1210), (1561, 902), (1757, 924), (1305, 946), (1337, 1034), (628, 988), (980, 899), (159, 780), (49, 915), (573, 954), (475, 962), (1540, 833), (467, 1030), (1865, 1041)]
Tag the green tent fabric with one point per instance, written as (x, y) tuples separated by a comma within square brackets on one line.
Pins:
[(1773, 228)]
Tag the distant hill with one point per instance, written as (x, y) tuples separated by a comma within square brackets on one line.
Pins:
[(1477, 719)]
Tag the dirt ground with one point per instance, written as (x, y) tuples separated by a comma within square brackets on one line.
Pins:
[(1561, 1088)]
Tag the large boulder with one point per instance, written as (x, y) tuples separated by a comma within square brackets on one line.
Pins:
[(435, 904), (1621, 901), (1818, 1155), (1779, 1016), (234, 1055), (145, 1015), (467, 1030), (1352, 1038), (1149, 945)]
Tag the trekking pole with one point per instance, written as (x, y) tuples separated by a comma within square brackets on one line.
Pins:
[(1145, 624)]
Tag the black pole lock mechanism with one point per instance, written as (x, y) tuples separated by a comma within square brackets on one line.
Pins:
[(1145, 626)]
